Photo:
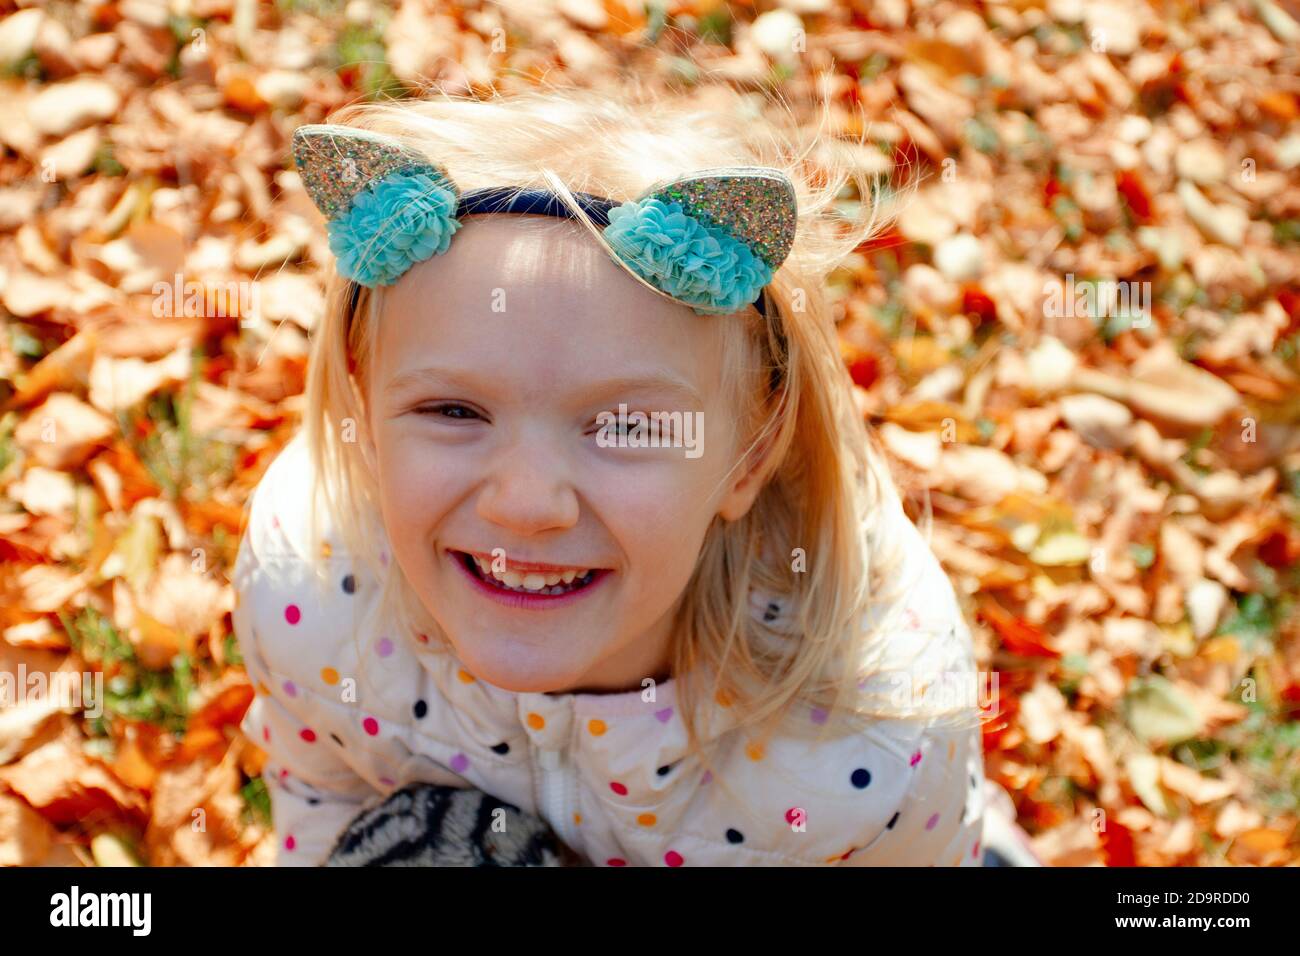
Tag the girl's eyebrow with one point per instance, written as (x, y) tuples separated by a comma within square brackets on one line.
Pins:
[(446, 378), (664, 382), (658, 381)]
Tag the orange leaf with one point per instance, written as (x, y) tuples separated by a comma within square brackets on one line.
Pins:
[(156, 643), (1018, 636), (133, 766), (137, 483), (206, 729), (1263, 840), (1279, 103), (198, 740), (202, 516), (1117, 844), (994, 730), (68, 786), (15, 552)]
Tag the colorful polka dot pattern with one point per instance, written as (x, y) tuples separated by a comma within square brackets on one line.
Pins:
[(630, 789), (859, 777)]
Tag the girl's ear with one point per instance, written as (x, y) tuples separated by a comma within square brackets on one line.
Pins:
[(754, 471)]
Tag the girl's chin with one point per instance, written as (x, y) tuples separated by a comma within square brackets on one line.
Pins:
[(511, 676)]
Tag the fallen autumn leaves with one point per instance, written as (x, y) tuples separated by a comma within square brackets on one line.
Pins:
[(1114, 490)]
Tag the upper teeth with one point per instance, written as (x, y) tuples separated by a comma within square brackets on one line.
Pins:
[(531, 580)]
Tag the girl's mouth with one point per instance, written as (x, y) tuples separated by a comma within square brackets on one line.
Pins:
[(528, 585)]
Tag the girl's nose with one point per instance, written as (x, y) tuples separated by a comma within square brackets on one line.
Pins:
[(528, 492)]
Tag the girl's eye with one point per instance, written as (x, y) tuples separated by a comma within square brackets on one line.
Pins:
[(637, 424), (449, 410)]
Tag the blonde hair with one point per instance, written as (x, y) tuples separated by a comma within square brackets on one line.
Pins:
[(826, 484)]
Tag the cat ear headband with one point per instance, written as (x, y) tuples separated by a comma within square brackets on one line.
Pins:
[(711, 240)]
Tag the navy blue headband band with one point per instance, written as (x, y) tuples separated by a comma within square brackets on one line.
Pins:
[(537, 202)]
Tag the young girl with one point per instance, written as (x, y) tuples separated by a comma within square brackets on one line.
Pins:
[(583, 514)]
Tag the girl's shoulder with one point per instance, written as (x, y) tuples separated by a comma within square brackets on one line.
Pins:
[(916, 605), (280, 509), (912, 611), (902, 788), (300, 602)]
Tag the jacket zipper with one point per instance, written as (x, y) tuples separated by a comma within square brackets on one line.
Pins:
[(553, 802)]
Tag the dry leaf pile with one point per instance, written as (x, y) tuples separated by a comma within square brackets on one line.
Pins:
[(1079, 338)]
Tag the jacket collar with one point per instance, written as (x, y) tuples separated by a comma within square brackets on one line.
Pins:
[(615, 731)]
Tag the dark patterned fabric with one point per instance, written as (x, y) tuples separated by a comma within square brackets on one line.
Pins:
[(426, 825)]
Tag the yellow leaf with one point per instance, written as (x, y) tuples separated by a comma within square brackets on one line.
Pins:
[(109, 850), (156, 643), (1221, 650), (1144, 777), (138, 549), (1179, 639), (1061, 549)]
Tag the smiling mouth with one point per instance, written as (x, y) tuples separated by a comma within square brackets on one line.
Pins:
[(550, 582)]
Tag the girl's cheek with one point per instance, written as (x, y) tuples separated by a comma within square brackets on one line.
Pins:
[(659, 515), (414, 474)]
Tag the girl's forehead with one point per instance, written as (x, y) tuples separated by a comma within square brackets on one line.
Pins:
[(516, 252), (543, 295)]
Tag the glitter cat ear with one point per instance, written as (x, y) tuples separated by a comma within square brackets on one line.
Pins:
[(753, 204), (712, 239), (386, 206)]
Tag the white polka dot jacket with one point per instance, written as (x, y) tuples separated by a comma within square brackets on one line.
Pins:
[(350, 710)]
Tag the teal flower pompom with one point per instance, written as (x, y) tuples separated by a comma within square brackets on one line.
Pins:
[(399, 221), (698, 264)]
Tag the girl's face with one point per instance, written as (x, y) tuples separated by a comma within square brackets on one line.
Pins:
[(552, 558)]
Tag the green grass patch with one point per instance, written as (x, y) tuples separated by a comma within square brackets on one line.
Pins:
[(182, 463), (257, 802), (131, 691)]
